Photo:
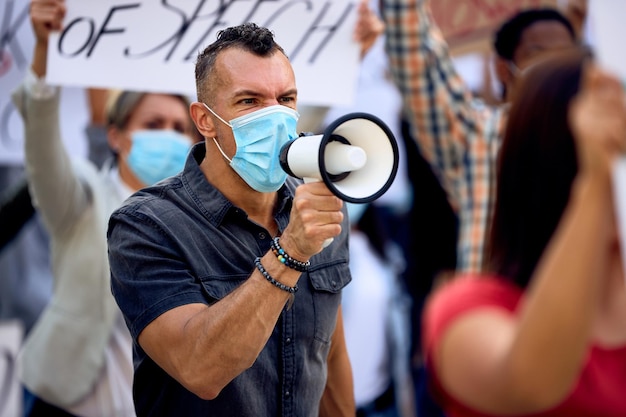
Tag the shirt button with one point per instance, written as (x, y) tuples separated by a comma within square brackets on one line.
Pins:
[(288, 340), (261, 235), (334, 284), (287, 393)]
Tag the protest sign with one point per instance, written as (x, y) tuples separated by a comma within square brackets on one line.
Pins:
[(16, 48), (152, 45), (469, 25)]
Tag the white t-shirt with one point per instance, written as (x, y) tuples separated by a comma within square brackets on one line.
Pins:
[(365, 308)]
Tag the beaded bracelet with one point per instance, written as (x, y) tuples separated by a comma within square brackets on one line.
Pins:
[(291, 290), (267, 276), (287, 260)]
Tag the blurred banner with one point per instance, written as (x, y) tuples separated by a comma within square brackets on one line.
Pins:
[(469, 25), (16, 49), (152, 45)]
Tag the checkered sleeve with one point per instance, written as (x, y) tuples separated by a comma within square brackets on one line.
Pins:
[(438, 105)]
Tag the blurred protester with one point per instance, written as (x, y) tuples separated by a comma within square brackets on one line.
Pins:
[(25, 272), (77, 359), (458, 135), (376, 312), (16, 205), (376, 94), (16, 210), (432, 226), (541, 333)]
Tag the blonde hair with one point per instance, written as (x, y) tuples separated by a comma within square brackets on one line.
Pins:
[(121, 104)]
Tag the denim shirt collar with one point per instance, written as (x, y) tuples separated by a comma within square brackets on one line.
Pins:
[(214, 205)]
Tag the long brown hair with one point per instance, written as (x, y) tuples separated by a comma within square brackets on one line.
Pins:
[(537, 165)]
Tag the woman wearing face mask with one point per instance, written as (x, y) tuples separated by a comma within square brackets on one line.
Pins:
[(77, 360)]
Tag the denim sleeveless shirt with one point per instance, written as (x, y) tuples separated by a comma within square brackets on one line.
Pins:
[(181, 241)]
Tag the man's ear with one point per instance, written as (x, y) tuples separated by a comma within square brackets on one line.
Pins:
[(200, 116), (503, 72)]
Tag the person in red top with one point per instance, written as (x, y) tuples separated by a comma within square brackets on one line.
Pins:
[(541, 332)]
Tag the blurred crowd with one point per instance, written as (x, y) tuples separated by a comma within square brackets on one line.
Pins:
[(486, 281)]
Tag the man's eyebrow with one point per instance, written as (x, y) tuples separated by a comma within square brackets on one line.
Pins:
[(253, 93), (246, 93), (291, 92)]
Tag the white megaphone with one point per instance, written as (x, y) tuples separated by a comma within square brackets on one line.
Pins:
[(356, 157)]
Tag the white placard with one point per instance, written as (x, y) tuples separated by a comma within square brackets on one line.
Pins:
[(608, 32), (16, 49), (152, 45), (11, 396)]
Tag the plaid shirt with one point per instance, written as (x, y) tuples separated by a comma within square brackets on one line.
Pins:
[(457, 134)]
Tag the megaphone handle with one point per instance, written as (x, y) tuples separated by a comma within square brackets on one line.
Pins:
[(330, 239)]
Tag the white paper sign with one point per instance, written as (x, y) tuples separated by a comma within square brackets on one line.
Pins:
[(152, 45), (16, 49), (608, 32), (10, 387)]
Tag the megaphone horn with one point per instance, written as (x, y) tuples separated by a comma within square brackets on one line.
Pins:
[(356, 157)]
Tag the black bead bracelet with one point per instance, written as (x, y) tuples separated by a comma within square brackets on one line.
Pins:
[(259, 266), (287, 260), (267, 276)]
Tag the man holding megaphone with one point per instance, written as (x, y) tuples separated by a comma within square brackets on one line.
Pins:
[(221, 271)]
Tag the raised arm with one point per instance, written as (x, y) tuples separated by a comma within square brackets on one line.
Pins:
[(444, 120), (58, 193), (368, 27)]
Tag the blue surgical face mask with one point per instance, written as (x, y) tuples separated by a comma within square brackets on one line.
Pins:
[(157, 154), (259, 136)]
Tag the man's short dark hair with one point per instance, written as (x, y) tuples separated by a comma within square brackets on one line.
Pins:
[(508, 37), (248, 37)]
